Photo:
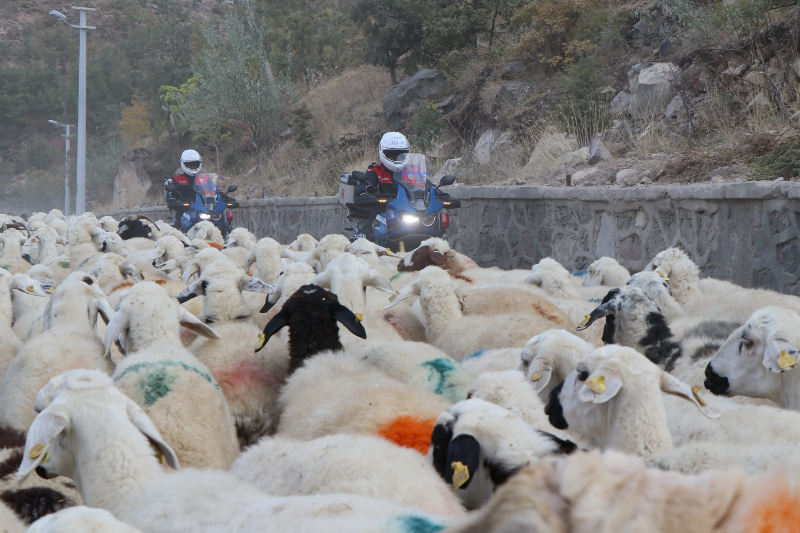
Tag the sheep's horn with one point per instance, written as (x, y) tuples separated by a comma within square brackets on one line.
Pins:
[(150, 221), (598, 312)]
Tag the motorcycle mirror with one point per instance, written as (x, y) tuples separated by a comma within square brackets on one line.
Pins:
[(447, 180), (232, 188)]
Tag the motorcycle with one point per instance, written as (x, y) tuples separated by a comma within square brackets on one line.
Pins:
[(210, 204), (418, 212)]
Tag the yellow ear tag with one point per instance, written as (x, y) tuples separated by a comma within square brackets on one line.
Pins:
[(36, 451), (360, 317), (261, 340), (159, 455), (536, 376), (586, 320), (159, 251), (291, 249), (597, 385), (666, 279), (30, 288), (463, 296), (51, 290), (696, 391), (393, 297), (786, 361), (460, 474)]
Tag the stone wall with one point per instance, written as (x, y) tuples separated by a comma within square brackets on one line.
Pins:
[(747, 232)]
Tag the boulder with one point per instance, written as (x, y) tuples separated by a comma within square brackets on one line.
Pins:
[(449, 103), (619, 104), (548, 149), (640, 33), (451, 167), (675, 110), (513, 69), (651, 87), (665, 48), (132, 182), (759, 101), (498, 148), (597, 151), (514, 92), (593, 176), (446, 146), (628, 177), (398, 103)]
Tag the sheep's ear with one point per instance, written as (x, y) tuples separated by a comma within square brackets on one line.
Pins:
[(102, 307), (316, 265), (672, 385), (460, 297), (375, 279), (143, 423), (269, 304), (273, 326), (463, 460), (535, 278), (190, 271), (599, 312), (440, 441), (256, 285), (540, 372), (20, 285), (129, 271), (323, 279), (119, 323), (202, 233), (780, 355), (251, 258), (168, 265), (195, 325), (46, 314), (438, 257), (42, 435), (198, 288), (407, 292), (600, 388), (352, 322)]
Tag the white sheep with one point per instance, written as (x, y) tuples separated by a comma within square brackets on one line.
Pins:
[(713, 297), (250, 381), (656, 287), (292, 278), (68, 340), (267, 257), (206, 231), (303, 243), (113, 452), (326, 251), (109, 224), (46, 240), (495, 360), (287, 467), (458, 335), (759, 359), (28, 309), (112, 271), (327, 396), (11, 259), (86, 242), (81, 519), (238, 246), (176, 390), (11, 343), (348, 277), (547, 359), (476, 446), (606, 271)]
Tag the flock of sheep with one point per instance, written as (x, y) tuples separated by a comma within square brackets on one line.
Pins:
[(249, 385)]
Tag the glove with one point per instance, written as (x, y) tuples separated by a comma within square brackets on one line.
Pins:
[(174, 204)]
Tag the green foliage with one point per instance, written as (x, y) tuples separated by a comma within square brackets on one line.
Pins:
[(390, 29), (771, 166), (302, 126), (426, 127), (102, 162), (582, 111), (40, 154)]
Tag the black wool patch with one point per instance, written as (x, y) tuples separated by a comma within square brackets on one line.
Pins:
[(554, 410), (33, 503)]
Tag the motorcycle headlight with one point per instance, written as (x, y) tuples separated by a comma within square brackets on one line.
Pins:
[(204, 216), (410, 220), (429, 219)]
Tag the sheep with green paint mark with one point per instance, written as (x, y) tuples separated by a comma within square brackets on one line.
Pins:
[(176, 390)]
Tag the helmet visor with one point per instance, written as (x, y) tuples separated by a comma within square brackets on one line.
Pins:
[(192, 165), (396, 156)]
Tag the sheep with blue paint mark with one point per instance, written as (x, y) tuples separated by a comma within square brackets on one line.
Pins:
[(170, 384), (112, 450), (495, 360)]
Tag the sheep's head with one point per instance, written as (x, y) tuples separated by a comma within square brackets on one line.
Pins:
[(240, 237), (606, 271), (311, 314), (329, 247), (431, 252), (676, 264), (111, 270), (759, 359), (349, 276), (477, 446), (431, 282), (551, 276), (292, 278), (622, 307), (303, 243), (82, 398), (78, 300), (134, 227), (109, 224), (549, 357), (612, 376), (146, 308)]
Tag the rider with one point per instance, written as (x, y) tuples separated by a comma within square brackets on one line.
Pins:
[(183, 181), (393, 153)]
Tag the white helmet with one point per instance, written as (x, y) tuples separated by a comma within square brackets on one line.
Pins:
[(393, 150), (191, 162)]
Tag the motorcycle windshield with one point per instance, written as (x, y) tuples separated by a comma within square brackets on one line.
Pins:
[(205, 186), (414, 176)]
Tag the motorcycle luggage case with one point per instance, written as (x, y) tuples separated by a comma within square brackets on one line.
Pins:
[(347, 189)]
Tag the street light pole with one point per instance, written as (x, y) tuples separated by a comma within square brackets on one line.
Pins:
[(66, 164), (80, 175), (80, 199)]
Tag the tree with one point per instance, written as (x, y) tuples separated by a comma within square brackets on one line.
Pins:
[(390, 29), (235, 84), (135, 125), (302, 126)]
